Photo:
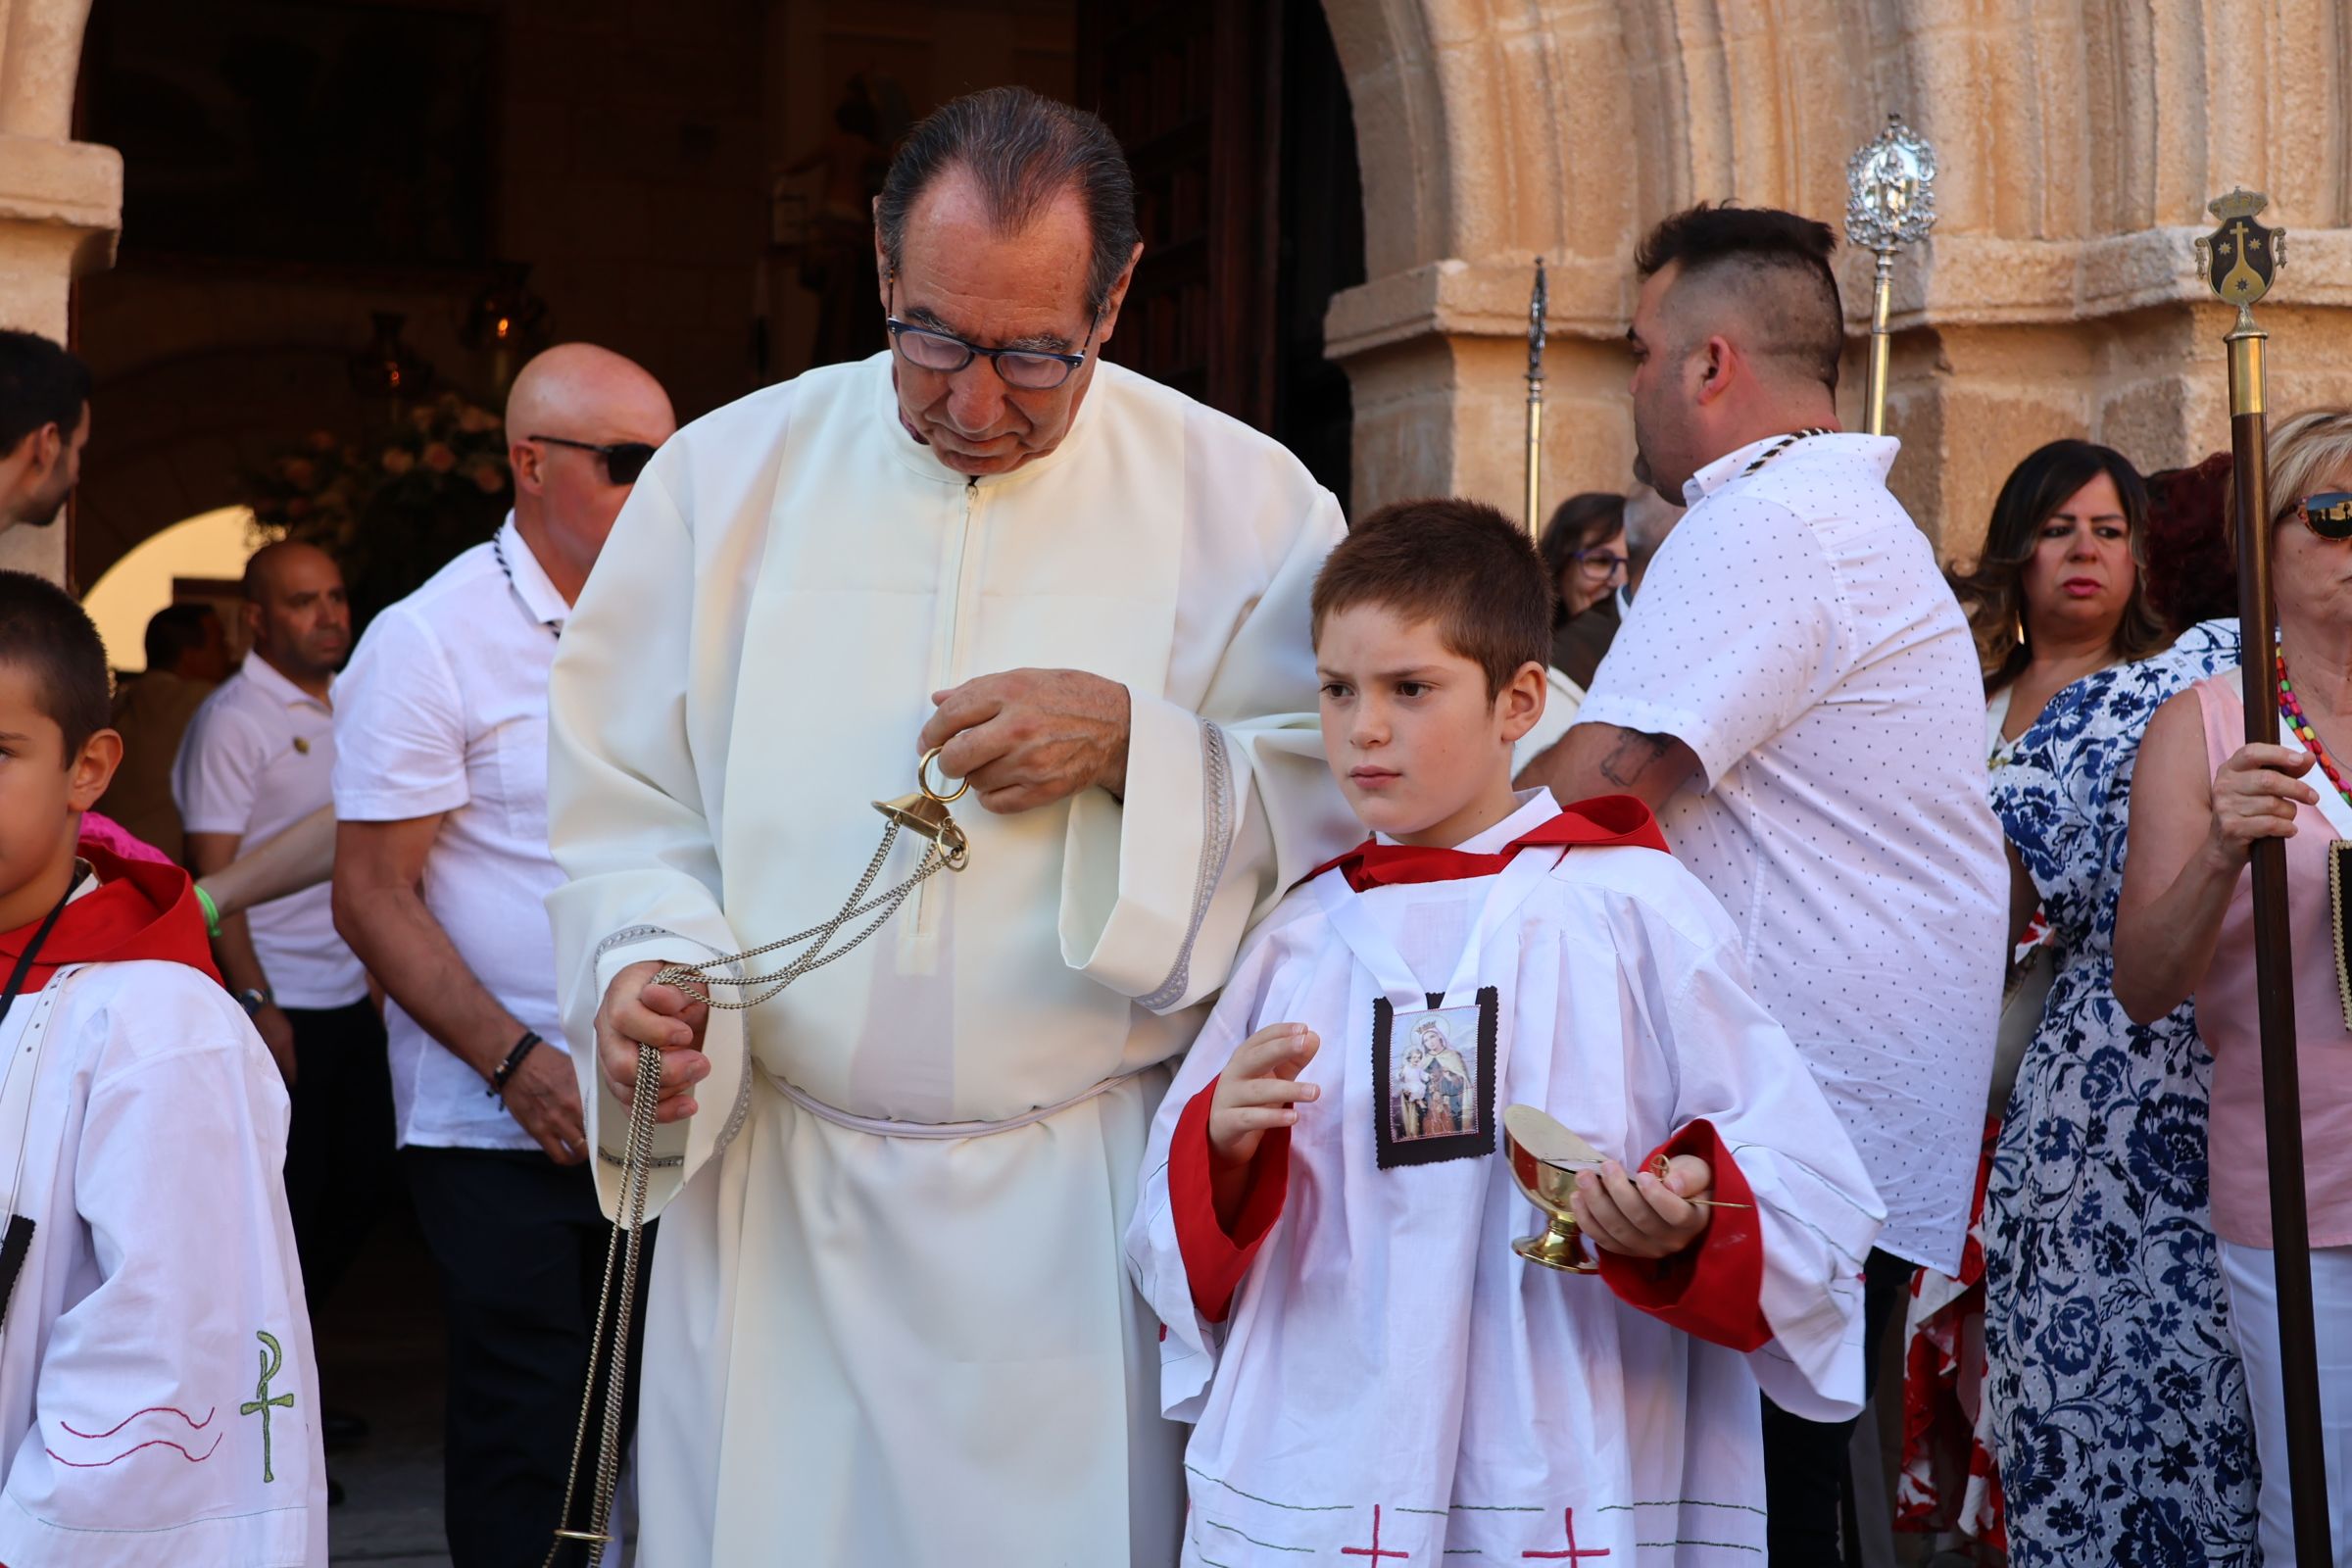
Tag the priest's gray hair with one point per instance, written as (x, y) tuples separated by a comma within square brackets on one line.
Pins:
[(1022, 150)]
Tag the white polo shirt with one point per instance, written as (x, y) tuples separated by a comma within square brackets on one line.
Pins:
[(258, 757), (444, 711), (1795, 633)]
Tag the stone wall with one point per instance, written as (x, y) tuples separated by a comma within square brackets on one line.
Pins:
[(2078, 141), (60, 201)]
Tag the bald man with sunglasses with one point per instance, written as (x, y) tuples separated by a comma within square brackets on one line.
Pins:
[(441, 872)]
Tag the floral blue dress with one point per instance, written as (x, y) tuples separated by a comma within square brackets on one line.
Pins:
[(2119, 1405)]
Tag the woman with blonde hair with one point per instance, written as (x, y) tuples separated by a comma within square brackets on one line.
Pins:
[(2184, 930)]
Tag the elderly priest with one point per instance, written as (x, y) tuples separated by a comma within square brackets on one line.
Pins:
[(889, 1323)]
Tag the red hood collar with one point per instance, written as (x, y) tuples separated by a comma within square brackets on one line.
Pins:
[(1601, 820), (141, 909)]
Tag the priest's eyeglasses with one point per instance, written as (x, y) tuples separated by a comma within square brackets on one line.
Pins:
[(927, 348), (2330, 515), (623, 461)]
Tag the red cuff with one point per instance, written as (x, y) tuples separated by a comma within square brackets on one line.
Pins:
[(1712, 1290), (1215, 1258)]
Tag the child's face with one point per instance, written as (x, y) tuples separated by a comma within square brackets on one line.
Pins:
[(1409, 729), (40, 795)]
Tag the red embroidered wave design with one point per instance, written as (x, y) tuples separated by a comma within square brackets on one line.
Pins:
[(152, 1409), (154, 1442)]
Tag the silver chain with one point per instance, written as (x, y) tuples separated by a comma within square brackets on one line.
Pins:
[(696, 979), (624, 1255)]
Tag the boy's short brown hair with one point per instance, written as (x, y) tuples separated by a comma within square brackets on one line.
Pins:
[(47, 635), (1460, 565)]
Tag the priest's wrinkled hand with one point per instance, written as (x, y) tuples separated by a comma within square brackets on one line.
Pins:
[(1642, 1214), (635, 1011), (1030, 737)]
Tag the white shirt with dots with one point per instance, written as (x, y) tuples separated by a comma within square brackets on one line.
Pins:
[(1795, 633)]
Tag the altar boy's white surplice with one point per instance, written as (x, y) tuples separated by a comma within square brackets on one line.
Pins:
[(1387, 1366), (885, 1328), (159, 1404)]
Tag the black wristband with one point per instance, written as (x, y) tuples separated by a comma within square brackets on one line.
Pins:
[(505, 1068)]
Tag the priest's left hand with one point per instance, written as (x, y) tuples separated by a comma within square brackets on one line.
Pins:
[(1643, 1214), (1030, 737)]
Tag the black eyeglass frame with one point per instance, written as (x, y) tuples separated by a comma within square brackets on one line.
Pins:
[(996, 358), (2329, 515), (607, 451)]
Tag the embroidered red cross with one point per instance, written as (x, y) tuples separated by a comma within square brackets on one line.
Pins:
[(1373, 1552), (1571, 1554)]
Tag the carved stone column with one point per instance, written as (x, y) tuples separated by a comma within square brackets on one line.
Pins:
[(61, 202)]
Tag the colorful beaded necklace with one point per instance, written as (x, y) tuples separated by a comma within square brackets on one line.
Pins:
[(2292, 711)]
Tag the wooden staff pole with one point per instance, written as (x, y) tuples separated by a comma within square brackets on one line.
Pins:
[(2241, 258)]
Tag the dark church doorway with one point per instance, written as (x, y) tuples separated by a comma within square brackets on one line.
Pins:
[(1235, 116)]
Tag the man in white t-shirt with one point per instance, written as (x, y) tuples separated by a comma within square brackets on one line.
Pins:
[(441, 874), (1796, 696), (259, 756)]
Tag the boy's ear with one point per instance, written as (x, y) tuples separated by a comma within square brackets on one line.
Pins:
[(94, 769), (1519, 704)]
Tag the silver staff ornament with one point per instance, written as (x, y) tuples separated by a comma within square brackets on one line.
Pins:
[(923, 812), (1890, 204), (1536, 309)]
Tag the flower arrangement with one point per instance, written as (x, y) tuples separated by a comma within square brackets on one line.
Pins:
[(393, 509)]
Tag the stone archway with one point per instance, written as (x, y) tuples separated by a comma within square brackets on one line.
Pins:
[(60, 201), (2079, 142)]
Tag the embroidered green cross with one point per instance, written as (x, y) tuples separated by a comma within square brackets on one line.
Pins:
[(272, 1359)]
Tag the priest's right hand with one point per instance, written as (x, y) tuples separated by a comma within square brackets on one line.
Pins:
[(1257, 1091), (636, 1010)]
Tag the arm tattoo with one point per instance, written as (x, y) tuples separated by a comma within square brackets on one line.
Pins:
[(1634, 755)]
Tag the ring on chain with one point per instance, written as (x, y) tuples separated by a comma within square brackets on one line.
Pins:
[(922, 777)]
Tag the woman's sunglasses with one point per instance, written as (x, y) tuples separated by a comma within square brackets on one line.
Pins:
[(2329, 515), (624, 461)]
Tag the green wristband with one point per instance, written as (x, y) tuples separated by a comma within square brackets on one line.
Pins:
[(211, 910)]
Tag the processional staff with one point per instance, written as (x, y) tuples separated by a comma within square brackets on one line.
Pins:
[(1890, 203), (2239, 260), (1535, 402)]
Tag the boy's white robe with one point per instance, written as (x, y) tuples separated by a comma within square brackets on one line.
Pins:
[(913, 1349), (163, 1252), (1387, 1347)]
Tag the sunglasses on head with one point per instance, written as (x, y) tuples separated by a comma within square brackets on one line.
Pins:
[(2329, 515), (624, 461)]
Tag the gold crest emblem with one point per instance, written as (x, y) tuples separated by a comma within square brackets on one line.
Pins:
[(2241, 258)]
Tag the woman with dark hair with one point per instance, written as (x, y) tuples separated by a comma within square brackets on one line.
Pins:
[(2057, 592), (1583, 551), (2117, 1402)]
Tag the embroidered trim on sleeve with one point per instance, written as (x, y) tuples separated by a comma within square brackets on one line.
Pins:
[(1216, 848)]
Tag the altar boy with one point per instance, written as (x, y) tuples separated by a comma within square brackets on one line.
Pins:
[(1326, 1221), (158, 1401)]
